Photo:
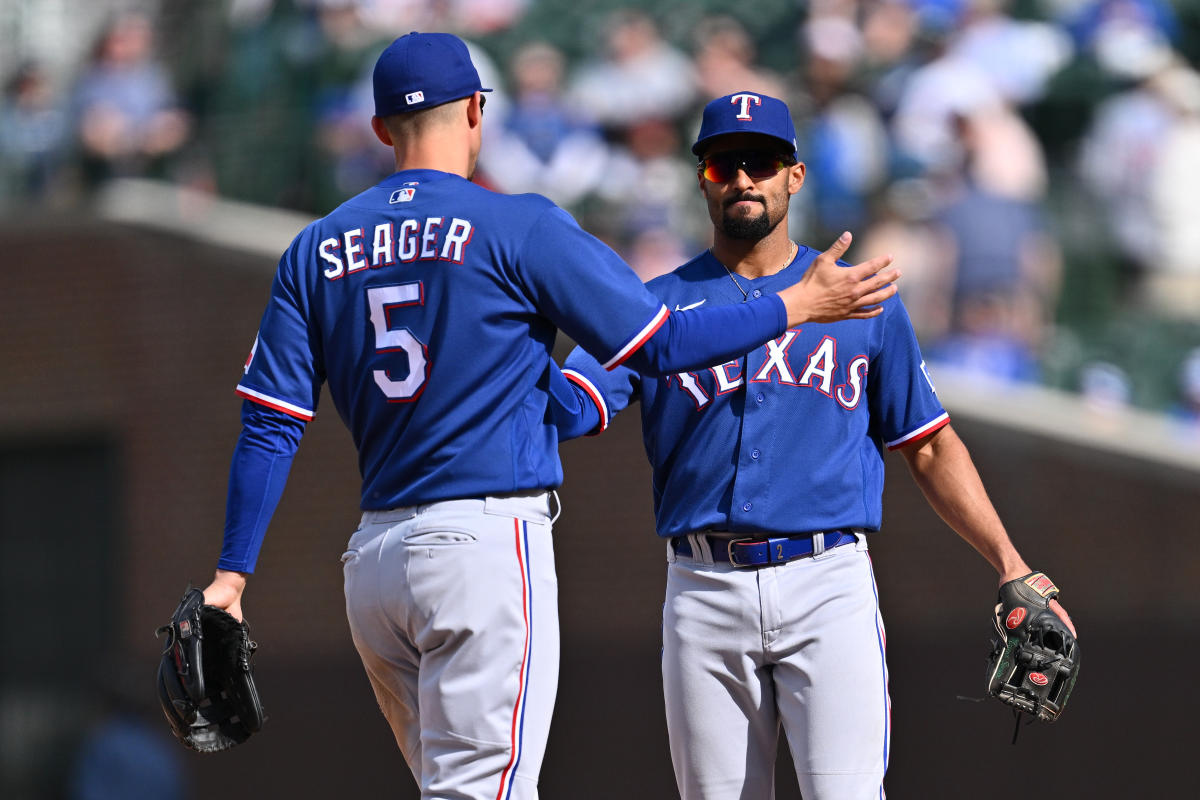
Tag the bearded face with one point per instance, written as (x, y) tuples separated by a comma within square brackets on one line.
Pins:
[(747, 188)]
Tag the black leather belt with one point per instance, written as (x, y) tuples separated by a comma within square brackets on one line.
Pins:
[(757, 552)]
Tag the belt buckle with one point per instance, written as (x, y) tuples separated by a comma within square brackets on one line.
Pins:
[(729, 549)]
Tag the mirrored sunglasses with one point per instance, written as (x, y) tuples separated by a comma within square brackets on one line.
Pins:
[(757, 164)]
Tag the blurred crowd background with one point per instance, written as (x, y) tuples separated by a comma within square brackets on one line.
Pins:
[(1031, 163)]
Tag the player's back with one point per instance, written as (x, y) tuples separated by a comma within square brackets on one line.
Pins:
[(430, 343)]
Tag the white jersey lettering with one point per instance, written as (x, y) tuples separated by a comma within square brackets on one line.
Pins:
[(415, 240), (355, 257), (726, 383), (408, 240), (433, 227), (822, 361), (777, 360), (688, 382), (326, 251), (857, 374), (382, 244), (457, 235)]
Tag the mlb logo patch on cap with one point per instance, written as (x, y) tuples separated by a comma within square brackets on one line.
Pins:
[(412, 98)]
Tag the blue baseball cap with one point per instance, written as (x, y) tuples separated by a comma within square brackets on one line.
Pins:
[(423, 70), (747, 112)]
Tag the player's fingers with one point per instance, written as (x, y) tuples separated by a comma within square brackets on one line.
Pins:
[(838, 248), (877, 281), (876, 297), (865, 313), (874, 266)]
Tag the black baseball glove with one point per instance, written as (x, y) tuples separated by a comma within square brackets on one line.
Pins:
[(205, 681), (1035, 658)]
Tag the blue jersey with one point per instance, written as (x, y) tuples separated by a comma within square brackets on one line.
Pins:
[(788, 438), (430, 306)]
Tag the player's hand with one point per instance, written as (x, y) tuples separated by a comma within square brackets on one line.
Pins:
[(828, 292), (226, 592)]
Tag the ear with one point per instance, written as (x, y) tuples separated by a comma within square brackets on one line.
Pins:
[(795, 177), (475, 110), (381, 131)]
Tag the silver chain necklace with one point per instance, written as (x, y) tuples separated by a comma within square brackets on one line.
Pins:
[(729, 272)]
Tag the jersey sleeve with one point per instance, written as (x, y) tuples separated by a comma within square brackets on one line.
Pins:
[(593, 296), (258, 473), (903, 400), (283, 370), (610, 391), (573, 411), (585, 288)]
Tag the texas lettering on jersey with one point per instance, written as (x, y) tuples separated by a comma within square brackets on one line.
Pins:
[(774, 364)]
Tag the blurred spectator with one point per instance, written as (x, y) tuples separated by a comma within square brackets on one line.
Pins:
[(903, 225), (1173, 286), (934, 95), (726, 60), (648, 188), (892, 49), (469, 18), (1006, 266), (1019, 56), (1130, 38), (478, 17), (639, 75), (127, 119), (1105, 387), (33, 131), (343, 54), (1140, 157), (657, 251), (541, 145), (846, 145), (1001, 153), (1187, 410)]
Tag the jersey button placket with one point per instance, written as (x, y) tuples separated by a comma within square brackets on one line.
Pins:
[(755, 454)]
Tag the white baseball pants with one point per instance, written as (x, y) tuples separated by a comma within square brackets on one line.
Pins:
[(453, 608), (800, 645)]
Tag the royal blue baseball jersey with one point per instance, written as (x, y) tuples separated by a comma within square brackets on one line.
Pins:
[(430, 306), (788, 438)]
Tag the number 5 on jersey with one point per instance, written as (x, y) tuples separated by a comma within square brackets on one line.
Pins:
[(394, 343)]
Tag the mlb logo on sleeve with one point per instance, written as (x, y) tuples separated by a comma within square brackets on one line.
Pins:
[(414, 97)]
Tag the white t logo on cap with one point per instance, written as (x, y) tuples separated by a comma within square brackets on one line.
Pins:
[(414, 97), (745, 100)]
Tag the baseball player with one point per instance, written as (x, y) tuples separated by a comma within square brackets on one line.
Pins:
[(768, 472), (429, 306)]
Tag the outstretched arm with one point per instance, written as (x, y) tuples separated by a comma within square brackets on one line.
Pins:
[(944, 471), (700, 337)]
